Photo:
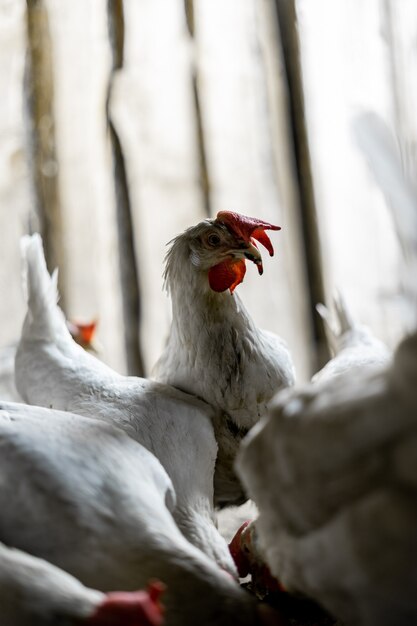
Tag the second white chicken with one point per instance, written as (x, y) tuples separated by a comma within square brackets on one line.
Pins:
[(53, 371)]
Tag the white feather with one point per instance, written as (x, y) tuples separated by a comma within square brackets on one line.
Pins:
[(86, 497)]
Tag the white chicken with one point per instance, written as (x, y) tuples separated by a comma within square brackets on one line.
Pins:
[(34, 592), (214, 349), (53, 371), (353, 345), (339, 515), (338, 518), (85, 496), (356, 351)]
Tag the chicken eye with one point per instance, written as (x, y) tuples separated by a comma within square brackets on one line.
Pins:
[(213, 239)]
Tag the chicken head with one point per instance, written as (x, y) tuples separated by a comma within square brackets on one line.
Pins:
[(221, 247)]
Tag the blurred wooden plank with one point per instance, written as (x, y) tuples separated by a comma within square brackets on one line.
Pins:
[(345, 69), (16, 200), (400, 29), (82, 62), (41, 116), (399, 26), (128, 265), (250, 164), (204, 176), (289, 35), (153, 112)]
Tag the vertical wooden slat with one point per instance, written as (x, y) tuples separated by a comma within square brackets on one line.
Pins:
[(40, 92), (153, 111), (286, 176), (128, 273), (288, 28), (399, 23), (81, 69), (247, 159), (390, 30), (204, 174)]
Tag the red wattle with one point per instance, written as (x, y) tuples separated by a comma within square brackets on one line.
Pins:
[(227, 275)]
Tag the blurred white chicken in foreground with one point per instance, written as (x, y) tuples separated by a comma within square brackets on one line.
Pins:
[(53, 371), (356, 350), (333, 469), (86, 497), (214, 349), (34, 592)]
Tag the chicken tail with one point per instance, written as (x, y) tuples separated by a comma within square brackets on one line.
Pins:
[(44, 319), (343, 323)]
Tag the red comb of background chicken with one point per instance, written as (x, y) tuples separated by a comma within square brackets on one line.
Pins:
[(248, 228), (87, 331), (248, 560), (135, 608), (83, 332), (240, 558)]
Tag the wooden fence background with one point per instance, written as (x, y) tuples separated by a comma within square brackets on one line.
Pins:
[(124, 121)]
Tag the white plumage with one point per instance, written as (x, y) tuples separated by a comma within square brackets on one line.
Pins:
[(85, 496), (8, 389), (356, 352), (34, 592), (332, 472)]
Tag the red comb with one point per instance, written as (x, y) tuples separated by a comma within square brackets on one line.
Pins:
[(134, 608), (248, 228), (87, 331), (82, 332), (239, 557), (155, 590)]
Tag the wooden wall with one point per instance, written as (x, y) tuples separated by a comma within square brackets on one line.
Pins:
[(124, 122)]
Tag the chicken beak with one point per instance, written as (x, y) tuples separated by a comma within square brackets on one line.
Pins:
[(251, 253)]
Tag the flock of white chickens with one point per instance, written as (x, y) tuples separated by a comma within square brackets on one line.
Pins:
[(108, 483)]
